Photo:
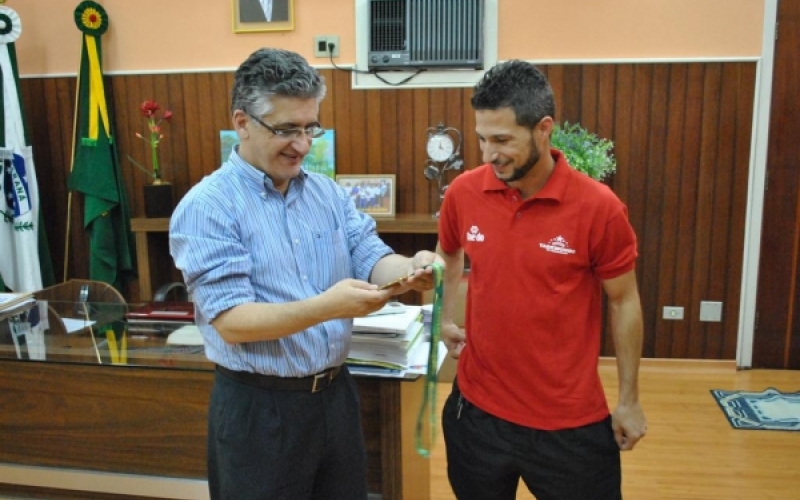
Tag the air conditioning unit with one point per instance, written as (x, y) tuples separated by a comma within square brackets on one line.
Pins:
[(415, 34)]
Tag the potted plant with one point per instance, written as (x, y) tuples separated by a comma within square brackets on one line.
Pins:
[(157, 194), (585, 151)]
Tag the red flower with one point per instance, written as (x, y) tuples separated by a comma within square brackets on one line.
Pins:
[(149, 108)]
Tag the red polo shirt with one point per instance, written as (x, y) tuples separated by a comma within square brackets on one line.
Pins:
[(533, 316)]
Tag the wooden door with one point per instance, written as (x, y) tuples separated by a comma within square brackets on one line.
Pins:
[(776, 341)]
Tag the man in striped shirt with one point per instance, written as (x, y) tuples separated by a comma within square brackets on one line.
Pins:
[(279, 261)]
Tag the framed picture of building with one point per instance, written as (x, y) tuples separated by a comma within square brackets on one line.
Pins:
[(372, 194), (262, 15)]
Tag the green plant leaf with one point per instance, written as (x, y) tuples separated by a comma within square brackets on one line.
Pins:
[(585, 151)]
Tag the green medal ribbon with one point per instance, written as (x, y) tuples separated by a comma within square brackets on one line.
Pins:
[(429, 394)]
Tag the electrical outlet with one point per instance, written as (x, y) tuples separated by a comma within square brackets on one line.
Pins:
[(321, 43), (673, 312)]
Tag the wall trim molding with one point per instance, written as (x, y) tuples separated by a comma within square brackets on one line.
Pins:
[(755, 193)]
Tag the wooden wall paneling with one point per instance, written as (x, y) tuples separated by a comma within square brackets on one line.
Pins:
[(471, 149), (372, 135), (406, 163), (634, 95), (606, 89), (671, 225), (741, 164), (705, 204), (692, 103), (681, 133), (341, 114), (656, 188), (208, 95), (175, 134), (387, 131), (622, 129), (606, 97), (357, 131), (417, 194), (637, 166), (128, 122), (722, 248), (192, 115), (571, 92), (589, 88), (555, 75)]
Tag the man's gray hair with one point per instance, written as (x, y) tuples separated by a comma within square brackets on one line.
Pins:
[(271, 72)]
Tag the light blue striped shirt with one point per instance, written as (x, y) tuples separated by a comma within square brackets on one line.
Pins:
[(236, 239)]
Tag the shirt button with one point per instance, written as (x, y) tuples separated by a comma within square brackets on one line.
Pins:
[(296, 242), (513, 198), (305, 278), (519, 215)]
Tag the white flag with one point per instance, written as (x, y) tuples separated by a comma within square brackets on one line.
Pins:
[(19, 252)]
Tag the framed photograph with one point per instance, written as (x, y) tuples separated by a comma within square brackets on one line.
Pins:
[(251, 16), (321, 158), (372, 194)]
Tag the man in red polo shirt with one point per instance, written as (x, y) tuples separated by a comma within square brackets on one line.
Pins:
[(544, 242)]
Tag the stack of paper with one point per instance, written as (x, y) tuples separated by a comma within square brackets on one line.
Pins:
[(386, 340), (12, 301)]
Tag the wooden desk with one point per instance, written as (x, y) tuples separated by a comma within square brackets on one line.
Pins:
[(401, 224), (147, 421)]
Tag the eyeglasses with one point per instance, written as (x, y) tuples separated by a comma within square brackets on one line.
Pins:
[(313, 131)]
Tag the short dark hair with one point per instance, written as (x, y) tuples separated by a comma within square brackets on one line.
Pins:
[(271, 72), (518, 85)]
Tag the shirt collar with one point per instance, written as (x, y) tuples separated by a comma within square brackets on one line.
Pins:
[(254, 177), (553, 189)]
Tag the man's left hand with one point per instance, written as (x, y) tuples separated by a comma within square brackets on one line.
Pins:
[(629, 424)]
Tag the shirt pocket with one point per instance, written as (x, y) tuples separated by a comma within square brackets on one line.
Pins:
[(331, 258)]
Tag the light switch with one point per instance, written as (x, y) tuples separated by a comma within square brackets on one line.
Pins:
[(710, 311)]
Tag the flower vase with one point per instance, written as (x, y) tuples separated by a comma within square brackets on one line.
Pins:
[(158, 199)]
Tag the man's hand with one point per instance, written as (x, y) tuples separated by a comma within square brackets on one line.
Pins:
[(420, 276), (629, 424), (454, 338), (352, 298)]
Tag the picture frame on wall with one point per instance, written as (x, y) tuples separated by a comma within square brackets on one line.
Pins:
[(251, 16), (372, 194)]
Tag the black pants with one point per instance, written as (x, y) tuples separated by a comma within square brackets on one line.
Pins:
[(285, 445), (486, 457)]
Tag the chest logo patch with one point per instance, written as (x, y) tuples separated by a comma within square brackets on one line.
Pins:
[(558, 245), (474, 234)]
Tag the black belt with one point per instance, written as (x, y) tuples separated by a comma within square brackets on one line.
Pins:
[(312, 383)]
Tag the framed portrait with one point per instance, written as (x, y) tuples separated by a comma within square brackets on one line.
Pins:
[(251, 16), (372, 194)]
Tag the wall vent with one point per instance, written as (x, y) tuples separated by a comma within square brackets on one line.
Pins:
[(415, 34)]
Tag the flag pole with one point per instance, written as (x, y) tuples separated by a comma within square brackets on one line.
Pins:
[(72, 161)]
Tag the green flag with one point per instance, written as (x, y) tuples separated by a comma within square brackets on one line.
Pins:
[(95, 170), (25, 264)]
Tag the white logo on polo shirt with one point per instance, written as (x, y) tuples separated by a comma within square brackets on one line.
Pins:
[(557, 245), (474, 234)]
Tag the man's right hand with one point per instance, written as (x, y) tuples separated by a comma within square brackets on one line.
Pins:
[(352, 298), (454, 338)]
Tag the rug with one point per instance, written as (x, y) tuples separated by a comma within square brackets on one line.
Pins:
[(770, 410)]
